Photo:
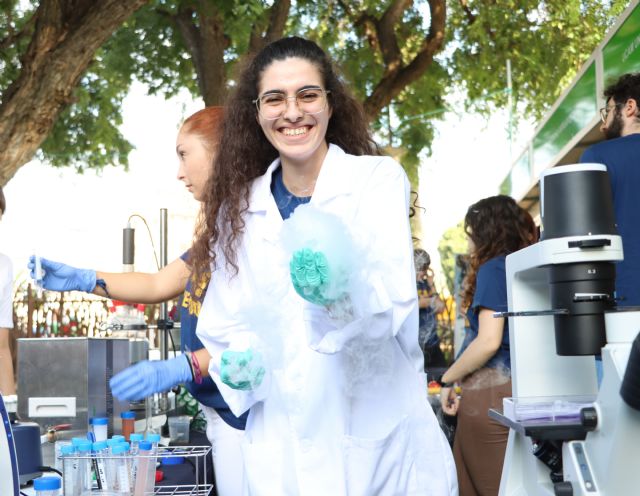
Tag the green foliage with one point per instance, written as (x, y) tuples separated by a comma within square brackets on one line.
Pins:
[(453, 242), (14, 17), (546, 41), (86, 135)]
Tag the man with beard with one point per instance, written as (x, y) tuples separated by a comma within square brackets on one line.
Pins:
[(621, 154)]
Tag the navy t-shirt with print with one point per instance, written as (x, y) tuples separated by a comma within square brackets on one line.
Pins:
[(622, 158), (286, 201), (491, 293), (206, 393)]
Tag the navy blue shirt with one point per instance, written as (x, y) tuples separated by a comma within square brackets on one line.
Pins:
[(622, 158), (287, 202), (491, 293), (206, 393)]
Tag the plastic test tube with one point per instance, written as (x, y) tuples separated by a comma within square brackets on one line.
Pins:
[(110, 464), (84, 467), (146, 475), (123, 475), (154, 439), (69, 469), (47, 486), (135, 441), (100, 450)]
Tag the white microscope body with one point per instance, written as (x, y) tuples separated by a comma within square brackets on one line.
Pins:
[(593, 457)]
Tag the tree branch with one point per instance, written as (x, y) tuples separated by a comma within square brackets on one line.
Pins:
[(467, 11), (385, 29), (276, 18), (397, 77)]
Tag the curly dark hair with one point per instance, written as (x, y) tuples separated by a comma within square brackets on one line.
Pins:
[(624, 88), (497, 226), (245, 153)]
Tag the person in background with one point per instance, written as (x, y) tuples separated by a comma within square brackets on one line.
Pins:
[(496, 226), (7, 377), (430, 305), (621, 154), (196, 145), (296, 142)]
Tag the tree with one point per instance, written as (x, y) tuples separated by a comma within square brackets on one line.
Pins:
[(453, 242), (402, 57), (45, 52)]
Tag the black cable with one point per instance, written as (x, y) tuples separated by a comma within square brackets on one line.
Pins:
[(153, 246), (44, 468)]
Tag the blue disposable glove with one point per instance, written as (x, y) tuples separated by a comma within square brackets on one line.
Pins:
[(61, 277), (148, 377), (310, 275), (242, 370)]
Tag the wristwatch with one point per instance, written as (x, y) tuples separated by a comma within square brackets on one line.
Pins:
[(442, 383)]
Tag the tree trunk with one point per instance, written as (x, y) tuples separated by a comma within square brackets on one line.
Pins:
[(66, 36)]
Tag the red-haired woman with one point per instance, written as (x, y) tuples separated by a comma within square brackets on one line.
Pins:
[(196, 146), (496, 226)]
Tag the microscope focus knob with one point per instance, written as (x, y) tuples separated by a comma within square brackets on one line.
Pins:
[(589, 418), (563, 489)]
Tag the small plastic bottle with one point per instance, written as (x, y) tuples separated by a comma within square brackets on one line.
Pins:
[(99, 426), (47, 486), (128, 423), (69, 469)]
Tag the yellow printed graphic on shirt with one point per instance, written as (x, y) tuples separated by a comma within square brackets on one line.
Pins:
[(193, 295)]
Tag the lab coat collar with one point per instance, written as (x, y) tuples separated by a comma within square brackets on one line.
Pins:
[(332, 181)]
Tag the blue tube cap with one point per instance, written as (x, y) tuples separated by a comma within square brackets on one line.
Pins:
[(47, 483), (136, 438), (153, 438), (173, 460), (128, 415), (99, 421)]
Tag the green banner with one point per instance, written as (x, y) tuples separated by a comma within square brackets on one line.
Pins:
[(621, 54), (574, 113)]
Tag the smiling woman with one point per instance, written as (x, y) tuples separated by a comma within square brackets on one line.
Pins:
[(283, 346)]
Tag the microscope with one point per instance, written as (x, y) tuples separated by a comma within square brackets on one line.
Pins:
[(567, 435)]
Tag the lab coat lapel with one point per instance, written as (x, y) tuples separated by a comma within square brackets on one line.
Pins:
[(262, 206), (333, 179)]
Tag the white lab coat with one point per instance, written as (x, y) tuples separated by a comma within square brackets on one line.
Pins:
[(310, 432)]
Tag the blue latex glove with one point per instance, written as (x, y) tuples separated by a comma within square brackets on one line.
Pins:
[(242, 370), (310, 275), (148, 377), (61, 277)]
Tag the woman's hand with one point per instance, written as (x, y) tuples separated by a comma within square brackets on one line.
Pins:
[(449, 401)]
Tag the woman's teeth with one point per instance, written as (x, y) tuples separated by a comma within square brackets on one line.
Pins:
[(294, 132)]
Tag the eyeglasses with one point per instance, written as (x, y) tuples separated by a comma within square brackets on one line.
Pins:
[(604, 111), (309, 101)]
